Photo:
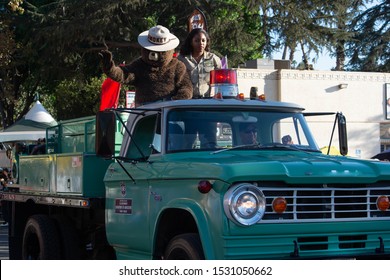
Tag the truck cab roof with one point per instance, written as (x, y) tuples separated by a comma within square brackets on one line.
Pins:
[(231, 102)]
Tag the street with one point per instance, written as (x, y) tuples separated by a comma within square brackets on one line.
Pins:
[(3, 241)]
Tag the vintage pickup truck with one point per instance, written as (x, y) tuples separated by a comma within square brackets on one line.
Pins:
[(162, 183)]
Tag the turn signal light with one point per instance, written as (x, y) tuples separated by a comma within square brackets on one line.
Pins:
[(240, 96), (84, 203), (383, 203), (262, 97), (204, 186), (279, 205)]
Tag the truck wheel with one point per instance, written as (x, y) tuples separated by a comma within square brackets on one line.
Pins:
[(70, 242), (40, 239), (184, 247)]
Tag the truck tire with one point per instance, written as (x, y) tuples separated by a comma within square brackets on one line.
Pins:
[(184, 247), (70, 241), (40, 239)]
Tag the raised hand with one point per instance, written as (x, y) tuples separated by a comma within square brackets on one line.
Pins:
[(106, 59)]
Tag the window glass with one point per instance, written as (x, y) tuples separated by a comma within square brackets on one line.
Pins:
[(143, 136), (221, 129)]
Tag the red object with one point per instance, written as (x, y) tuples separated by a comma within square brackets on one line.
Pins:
[(204, 186), (223, 76), (110, 94)]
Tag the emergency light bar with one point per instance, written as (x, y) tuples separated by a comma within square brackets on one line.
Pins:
[(223, 76), (223, 83)]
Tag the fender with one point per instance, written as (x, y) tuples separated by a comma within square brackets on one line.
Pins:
[(200, 219)]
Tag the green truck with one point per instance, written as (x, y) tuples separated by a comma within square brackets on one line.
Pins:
[(179, 180)]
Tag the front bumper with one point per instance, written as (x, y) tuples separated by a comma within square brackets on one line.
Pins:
[(309, 241)]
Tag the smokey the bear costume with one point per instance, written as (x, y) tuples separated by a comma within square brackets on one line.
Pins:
[(156, 75)]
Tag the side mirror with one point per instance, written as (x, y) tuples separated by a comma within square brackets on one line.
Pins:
[(105, 134), (343, 141)]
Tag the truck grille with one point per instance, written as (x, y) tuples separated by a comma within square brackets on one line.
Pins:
[(326, 202)]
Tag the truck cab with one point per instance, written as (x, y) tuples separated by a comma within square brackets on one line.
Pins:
[(187, 184)]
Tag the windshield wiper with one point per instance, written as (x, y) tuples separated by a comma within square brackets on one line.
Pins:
[(237, 147), (279, 146), (271, 146)]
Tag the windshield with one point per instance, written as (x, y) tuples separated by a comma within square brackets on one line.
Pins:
[(216, 130)]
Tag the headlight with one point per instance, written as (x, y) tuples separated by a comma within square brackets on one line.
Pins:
[(244, 204)]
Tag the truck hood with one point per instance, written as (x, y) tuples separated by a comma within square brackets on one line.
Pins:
[(288, 166)]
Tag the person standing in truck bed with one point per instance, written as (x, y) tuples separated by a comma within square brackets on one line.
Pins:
[(199, 61), (156, 75)]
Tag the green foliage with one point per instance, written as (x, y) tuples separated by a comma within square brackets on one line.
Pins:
[(311, 26), (51, 47), (369, 48), (54, 44), (236, 27), (75, 98)]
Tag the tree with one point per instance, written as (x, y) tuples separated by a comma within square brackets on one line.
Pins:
[(14, 75), (74, 100), (369, 49), (8, 44), (235, 29), (311, 25), (57, 42), (52, 43), (289, 27), (336, 30)]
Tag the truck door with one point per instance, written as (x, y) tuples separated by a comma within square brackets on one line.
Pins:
[(128, 196)]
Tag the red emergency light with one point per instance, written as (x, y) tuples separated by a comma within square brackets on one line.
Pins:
[(223, 83), (223, 76)]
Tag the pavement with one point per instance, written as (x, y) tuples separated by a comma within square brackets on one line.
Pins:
[(4, 253)]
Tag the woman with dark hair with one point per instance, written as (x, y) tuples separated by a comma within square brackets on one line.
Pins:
[(199, 61)]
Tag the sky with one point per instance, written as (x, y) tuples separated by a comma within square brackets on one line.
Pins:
[(323, 62)]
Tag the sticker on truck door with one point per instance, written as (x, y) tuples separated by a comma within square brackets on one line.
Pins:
[(123, 206), (76, 161)]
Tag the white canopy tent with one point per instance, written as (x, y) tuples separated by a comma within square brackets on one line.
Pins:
[(31, 127)]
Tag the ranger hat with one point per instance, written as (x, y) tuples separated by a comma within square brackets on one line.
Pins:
[(158, 38)]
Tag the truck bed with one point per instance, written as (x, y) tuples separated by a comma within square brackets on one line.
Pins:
[(70, 174)]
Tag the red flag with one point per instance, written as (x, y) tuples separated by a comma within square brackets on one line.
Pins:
[(110, 94)]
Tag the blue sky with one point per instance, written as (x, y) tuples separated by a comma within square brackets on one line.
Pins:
[(323, 62)]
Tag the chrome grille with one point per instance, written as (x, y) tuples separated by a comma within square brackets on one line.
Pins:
[(323, 203)]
